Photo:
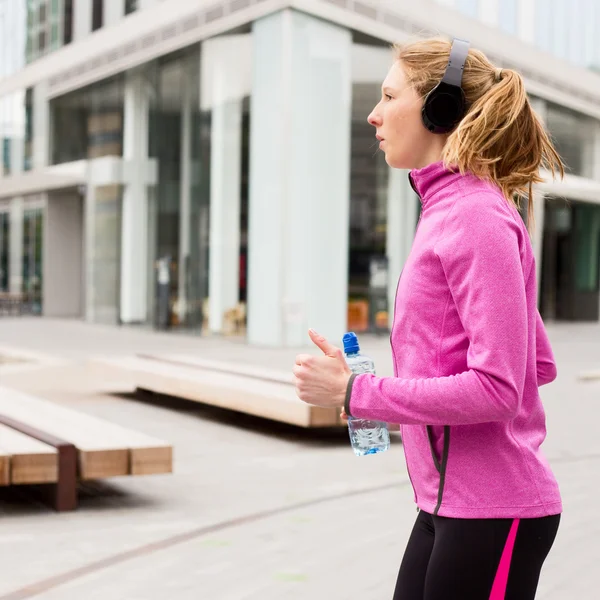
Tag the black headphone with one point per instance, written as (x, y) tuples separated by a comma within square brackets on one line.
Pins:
[(445, 104)]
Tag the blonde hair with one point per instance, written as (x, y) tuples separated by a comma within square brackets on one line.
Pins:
[(500, 138)]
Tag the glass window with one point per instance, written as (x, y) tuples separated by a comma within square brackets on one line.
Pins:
[(4, 251), (32, 270), (54, 36), (368, 208), (13, 109), (68, 22), (507, 16), (93, 118), (28, 150), (573, 136), (97, 14), (42, 41), (130, 6), (183, 255), (586, 237)]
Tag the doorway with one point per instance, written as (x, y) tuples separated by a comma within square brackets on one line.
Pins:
[(570, 261)]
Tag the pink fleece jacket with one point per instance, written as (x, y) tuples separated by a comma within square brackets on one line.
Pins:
[(470, 351)]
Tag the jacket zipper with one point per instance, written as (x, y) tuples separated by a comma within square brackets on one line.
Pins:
[(392, 345)]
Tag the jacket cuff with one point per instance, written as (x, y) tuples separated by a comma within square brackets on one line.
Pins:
[(349, 394)]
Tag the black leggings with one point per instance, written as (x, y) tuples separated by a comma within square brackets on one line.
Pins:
[(474, 559)]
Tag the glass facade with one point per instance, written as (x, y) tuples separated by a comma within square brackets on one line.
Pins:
[(570, 263), (130, 6), (32, 267), (16, 132), (4, 251), (46, 26), (97, 14), (573, 135), (182, 130), (93, 116), (369, 174)]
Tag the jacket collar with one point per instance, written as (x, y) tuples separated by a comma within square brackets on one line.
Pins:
[(429, 180)]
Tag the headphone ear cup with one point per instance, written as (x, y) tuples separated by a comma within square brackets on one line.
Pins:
[(443, 108)]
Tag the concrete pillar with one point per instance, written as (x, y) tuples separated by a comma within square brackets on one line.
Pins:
[(113, 11), (16, 246), (89, 228), (299, 180), (226, 79), (62, 264), (17, 143), (401, 219), (41, 126), (82, 19), (134, 229), (185, 197)]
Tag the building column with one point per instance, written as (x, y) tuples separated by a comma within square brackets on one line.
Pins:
[(223, 88), (299, 180), (134, 224), (401, 220), (185, 200), (113, 12), (89, 228), (41, 126), (15, 249)]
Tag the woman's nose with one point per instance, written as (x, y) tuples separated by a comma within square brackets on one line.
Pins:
[(374, 118)]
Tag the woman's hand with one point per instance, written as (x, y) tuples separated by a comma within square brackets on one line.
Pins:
[(322, 380)]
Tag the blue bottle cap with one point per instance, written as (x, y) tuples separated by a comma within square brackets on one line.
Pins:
[(351, 345)]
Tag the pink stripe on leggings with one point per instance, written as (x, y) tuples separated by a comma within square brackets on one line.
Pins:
[(501, 579)]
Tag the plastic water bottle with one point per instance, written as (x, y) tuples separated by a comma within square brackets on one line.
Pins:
[(367, 436)]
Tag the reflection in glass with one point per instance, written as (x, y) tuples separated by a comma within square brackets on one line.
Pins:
[(93, 118), (368, 211), (4, 250), (573, 135), (32, 271)]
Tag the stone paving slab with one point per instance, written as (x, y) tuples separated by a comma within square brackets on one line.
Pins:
[(229, 524)]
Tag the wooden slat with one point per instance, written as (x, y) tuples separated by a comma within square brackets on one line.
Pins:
[(31, 461), (272, 399), (4, 468), (104, 449)]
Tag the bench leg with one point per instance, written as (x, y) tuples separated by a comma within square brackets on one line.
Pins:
[(65, 490), (63, 493)]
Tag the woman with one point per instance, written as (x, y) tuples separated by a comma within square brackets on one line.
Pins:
[(468, 343)]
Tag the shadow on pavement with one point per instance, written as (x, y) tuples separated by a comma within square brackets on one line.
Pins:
[(26, 500), (315, 437)]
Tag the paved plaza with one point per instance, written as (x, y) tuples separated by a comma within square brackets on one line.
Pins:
[(255, 510)]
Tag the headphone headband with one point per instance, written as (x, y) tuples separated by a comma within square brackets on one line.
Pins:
[(456, 62)]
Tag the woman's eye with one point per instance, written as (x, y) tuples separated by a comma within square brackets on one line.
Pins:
[(387, 97)]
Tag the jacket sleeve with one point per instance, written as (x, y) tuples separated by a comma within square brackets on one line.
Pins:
[(481, 260), (546, 365)]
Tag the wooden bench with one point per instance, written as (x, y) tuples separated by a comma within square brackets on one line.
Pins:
[(252, 390), (43, 442)]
